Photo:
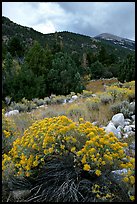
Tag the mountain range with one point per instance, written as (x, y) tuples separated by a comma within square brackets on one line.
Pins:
[(116, 40), (70, 42)]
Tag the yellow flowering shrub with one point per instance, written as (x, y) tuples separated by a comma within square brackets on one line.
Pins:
[(123, 93), (93, 150), (9, 132), (117, 93), (130, 84), (51, 136)]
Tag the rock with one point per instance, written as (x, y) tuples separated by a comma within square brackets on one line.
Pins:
[(95, 123), (65, 101), (121, 171), (132, 127), (132, 146), (119, 128), (42, 106), (119, 135), (125, 136), (133, 117), (70, 101), (94, 95), (13, 112), (111, 128), (132, 107), (74, 97), (118, 119), (127, 121), (127, 128)]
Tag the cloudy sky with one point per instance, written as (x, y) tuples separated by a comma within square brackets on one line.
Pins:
[(87, 18)]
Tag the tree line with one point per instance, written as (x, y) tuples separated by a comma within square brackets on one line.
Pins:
[(39, 71)]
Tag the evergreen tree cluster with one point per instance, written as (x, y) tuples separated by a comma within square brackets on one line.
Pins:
[(41, 71)]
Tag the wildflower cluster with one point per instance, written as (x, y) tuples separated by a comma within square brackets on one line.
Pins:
[(125, 92), (101, 151), (51, 136), (129, 176), (92, 149), (102, 193), (9, 132)]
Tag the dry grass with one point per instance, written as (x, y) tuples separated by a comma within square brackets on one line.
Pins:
[(98, 85), (103, 115)]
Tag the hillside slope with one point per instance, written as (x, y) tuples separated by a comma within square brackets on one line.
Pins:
[(69, 41)]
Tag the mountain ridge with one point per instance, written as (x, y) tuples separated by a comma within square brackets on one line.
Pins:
[(116, 40), (113, 36), (69, 41)]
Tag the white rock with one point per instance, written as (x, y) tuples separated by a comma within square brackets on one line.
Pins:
[(42, 106), (125, 136), (111, 128), (132, 106), (127, 120), (126, 123), (133, 117), (132, 127), (120, 171), (95, 123), (119, 135), (70, 101), (118, 119), (13, 112), (119, 128), (127, 128), (94, 95), (132, 146), (65, 101), (74, 97)]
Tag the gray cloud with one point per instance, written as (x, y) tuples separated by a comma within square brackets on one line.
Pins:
[(88, 18), (113, 17)]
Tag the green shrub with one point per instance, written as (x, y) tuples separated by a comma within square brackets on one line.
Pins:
[(106, 98), (116, 108), (58, 100), (38, 102), (19, 106), (86, 93), (75, 111), (93, 104)]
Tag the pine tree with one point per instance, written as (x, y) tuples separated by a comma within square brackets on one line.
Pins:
[(127, 69)]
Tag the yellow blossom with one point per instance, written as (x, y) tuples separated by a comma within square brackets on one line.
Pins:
[(62, 146), (83, 159), (126, 179), (73, 149), (98, 172), (86, 167), (132, 198), (132, 179)]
